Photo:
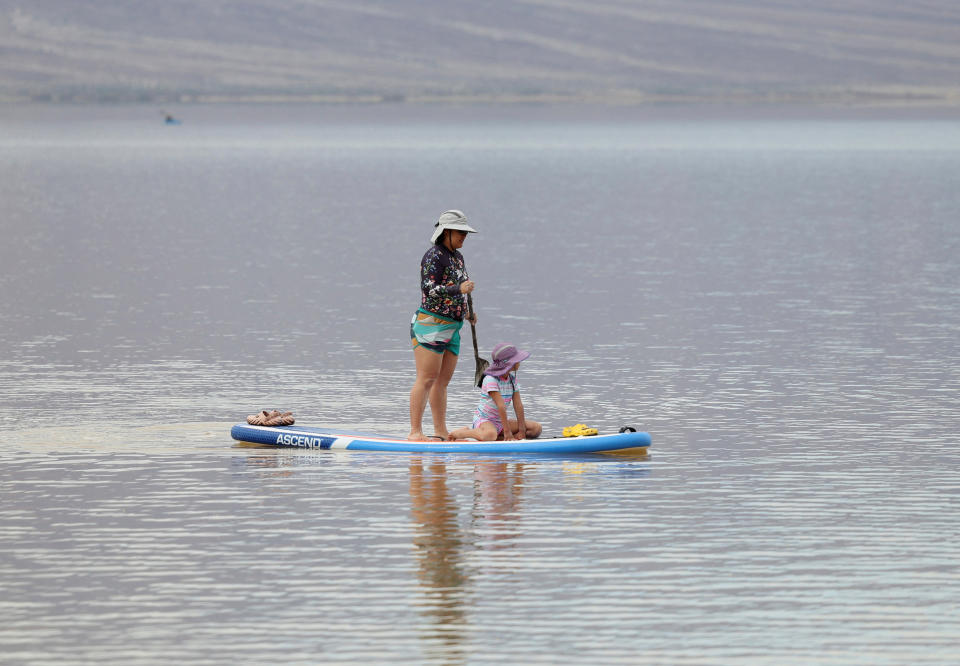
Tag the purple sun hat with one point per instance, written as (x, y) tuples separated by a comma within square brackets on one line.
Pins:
[(505, 356)]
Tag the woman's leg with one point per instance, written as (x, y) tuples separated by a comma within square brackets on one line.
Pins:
[(438, 394), (428, 369)]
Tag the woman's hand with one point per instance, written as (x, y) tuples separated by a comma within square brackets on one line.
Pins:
[(466, 286)]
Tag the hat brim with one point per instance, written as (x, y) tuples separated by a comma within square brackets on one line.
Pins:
[(497, 369), (456, 226)]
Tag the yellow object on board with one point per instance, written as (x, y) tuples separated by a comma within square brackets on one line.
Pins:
[(579, 430)]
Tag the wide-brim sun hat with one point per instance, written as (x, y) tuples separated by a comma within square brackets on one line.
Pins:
[(451, 219), (505, 356)]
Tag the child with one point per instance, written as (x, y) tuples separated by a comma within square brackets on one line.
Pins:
[(500, 389)]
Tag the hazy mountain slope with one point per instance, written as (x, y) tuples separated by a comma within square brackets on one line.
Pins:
[(621, 49)]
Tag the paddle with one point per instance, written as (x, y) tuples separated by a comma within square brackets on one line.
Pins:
[(481, 363)]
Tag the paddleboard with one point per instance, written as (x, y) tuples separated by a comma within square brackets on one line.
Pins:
[(320, 438)]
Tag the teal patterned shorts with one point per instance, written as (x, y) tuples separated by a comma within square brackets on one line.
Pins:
[(436, 333)]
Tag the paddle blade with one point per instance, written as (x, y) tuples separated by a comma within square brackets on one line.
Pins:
[(482, 364)]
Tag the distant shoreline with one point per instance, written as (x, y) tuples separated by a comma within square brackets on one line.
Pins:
[(862, 97)]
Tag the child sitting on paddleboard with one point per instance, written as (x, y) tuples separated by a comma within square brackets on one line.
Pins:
[(500, 390)]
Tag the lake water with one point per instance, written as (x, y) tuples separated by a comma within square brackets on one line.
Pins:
[(776, 300)]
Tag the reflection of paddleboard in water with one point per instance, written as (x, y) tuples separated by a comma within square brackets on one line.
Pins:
[(626, 441)]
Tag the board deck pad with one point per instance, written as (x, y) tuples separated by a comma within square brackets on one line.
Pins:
[(319, 438)]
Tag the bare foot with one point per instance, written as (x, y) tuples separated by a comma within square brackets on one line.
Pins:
[(417, 437)]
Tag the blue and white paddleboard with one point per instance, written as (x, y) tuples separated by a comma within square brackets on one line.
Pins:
[(320, 438)]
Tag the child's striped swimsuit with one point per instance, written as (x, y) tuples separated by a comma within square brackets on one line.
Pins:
[(487, 409)]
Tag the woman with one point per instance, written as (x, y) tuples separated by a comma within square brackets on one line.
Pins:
[(435, 328)]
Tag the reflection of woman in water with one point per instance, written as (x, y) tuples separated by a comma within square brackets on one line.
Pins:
[(439, 545)]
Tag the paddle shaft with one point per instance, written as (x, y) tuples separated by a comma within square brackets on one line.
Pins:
[(481, 363), (473, 326)]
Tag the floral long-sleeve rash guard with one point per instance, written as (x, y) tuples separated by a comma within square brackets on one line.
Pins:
[(441, 272)]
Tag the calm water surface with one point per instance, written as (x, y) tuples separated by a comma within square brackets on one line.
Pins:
[(776, 301)]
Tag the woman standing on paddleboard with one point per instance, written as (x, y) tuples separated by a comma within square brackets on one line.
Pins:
[(435, 327)]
